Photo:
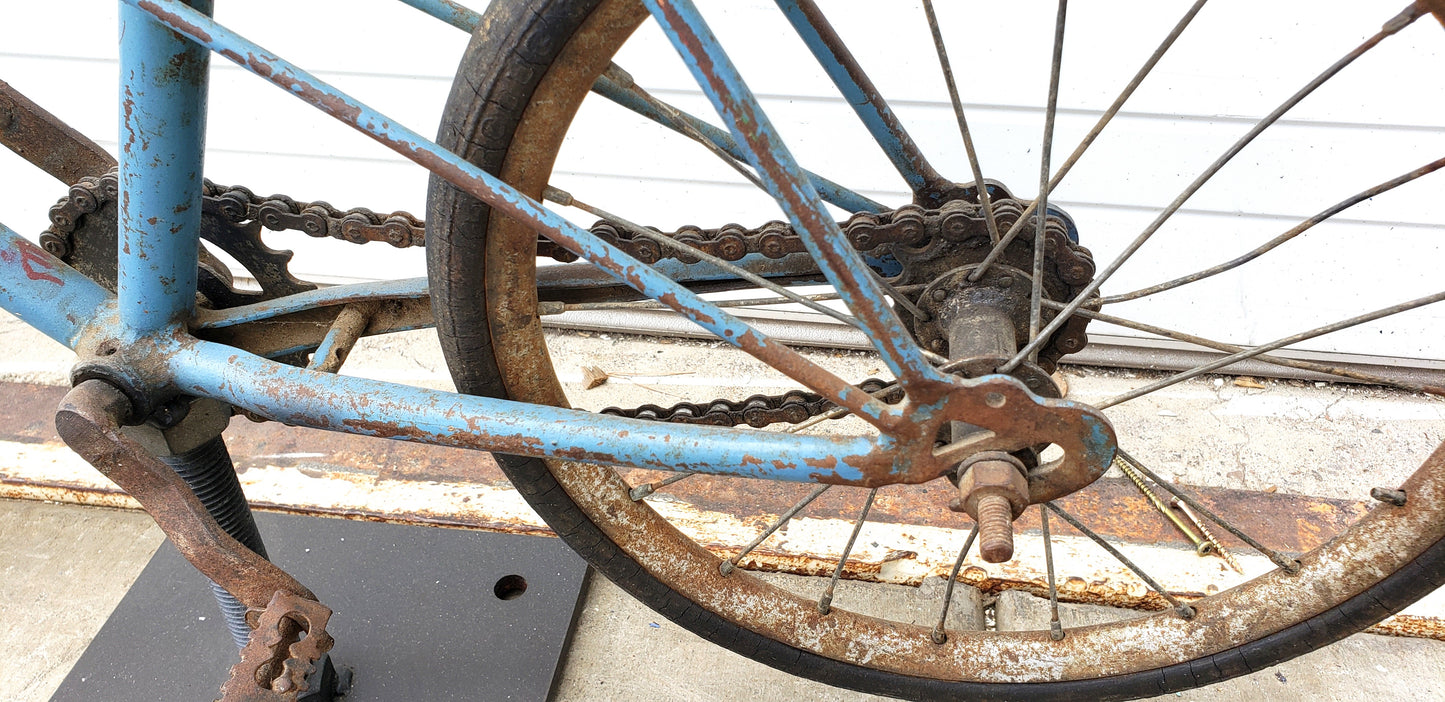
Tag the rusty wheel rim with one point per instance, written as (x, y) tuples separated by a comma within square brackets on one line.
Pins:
[(1382, 542)]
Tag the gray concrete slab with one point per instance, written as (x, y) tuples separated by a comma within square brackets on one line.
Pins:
[(63, 568)]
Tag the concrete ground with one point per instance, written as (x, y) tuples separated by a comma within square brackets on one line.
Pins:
[(64, 567)]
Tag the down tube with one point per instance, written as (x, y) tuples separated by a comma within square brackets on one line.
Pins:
[(374, 408)]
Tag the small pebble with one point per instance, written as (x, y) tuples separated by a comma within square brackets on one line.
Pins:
[(1219, 382), (1320, 383)]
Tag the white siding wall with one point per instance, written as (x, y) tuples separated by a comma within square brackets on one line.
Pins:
[(1383, 116)]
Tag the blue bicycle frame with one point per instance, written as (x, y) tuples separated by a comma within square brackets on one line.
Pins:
[(142, 337)]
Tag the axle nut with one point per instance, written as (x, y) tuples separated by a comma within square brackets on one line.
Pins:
[(994, 491)]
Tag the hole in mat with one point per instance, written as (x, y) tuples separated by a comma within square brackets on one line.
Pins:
[(510, 587)]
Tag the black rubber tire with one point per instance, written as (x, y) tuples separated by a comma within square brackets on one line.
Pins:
[(498, 76)]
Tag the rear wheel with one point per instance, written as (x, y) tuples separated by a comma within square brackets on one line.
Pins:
[(517, 91)]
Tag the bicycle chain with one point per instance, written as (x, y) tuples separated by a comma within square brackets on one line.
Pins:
[(909, 225), (757, 411), (914, 228), (237, 204)]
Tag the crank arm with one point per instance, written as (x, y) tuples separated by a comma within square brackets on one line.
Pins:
[(275, 662), (89, 421)]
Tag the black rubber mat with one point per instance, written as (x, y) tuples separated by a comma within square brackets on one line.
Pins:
[(420, 614)]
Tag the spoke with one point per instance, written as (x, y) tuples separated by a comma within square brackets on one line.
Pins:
[(1183, 610), (903, 301), (984, 198), (774, 164), (731, 564), (938, 635), (1396, 24), (1036, 294), (1298, 229), (840, 65), (616, 85), (642, 491), (1089, 138), (825, 603), (1056, 628), (1288, 565), (1278, 343), (1265, 358)]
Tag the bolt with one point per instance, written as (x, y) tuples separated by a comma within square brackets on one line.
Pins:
[(1394, 497), (995, 528), (994, 491)]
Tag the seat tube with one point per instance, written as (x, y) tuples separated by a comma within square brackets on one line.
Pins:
[(163, 80)]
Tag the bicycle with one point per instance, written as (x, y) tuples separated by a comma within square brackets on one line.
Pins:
[(972, 403)]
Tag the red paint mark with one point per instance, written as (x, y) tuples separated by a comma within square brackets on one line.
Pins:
[(31, 257)]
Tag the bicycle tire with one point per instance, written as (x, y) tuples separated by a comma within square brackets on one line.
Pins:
[(518, 86)]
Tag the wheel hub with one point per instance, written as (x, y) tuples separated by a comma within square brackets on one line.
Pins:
[(979, 316)]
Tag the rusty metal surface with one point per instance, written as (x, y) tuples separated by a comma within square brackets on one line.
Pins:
[(278, 654), (348, 326), (50, 144)]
